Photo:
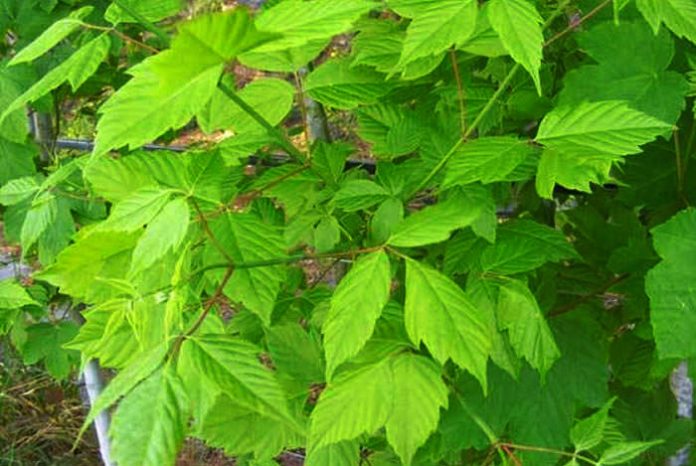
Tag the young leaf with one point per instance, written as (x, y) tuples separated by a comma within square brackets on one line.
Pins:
[(438, 313), (125, 381), (359, 194), (678, 15), (165, 232), (82, 269), (518, 24), (419, 393), (588, 433), (354, 403), (487, 160), (76, 69), (247, 240), (524, 245), (55, 33), (529, 334), (434, 29), (669, 287), (435, 223), (240, 431), (355, 307), (232, 364), (624, 452), (17, 190), (272, 98), (338, 84), (151, 10), (12, 295), (610, 127), (346, 453), (136, 210), (299, 22), (150, 423), (167, 89)]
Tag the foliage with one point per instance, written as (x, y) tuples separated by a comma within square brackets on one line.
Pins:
[(518, 249)]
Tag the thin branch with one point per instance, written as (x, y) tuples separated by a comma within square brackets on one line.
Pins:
[(209, 232), (515, 446), (209, 305), (278, 135), (156, 30), (460, 91), (578, 23), (588, 296)]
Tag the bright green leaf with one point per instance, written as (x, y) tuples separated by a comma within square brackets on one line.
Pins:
[(438, 313), (419, 393), (355, 307), (529, 334), (359, 194), (164, 233), (588, 433), (518, 24), (624, 452), (670, 286), (150, 423)]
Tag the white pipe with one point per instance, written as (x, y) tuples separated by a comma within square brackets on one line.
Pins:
[(94, 385)]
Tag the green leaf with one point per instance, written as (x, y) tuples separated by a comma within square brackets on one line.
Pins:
[(572, 171), (299, 22), (136, 210), (125, 381), (139, 112), (588, 433), (528, 332), (239, 431), (624, 452), (41, 215), (438, 313), (488, 160), (524, 245), (435, 28), (296, 352), (150, 423), (151, 10), (678, 15), (76, 69), (518, 24), (645, 84), (247, 240), (338, 84), (355, 307), (272, 98), (346, 453), (171, 87), (436, 223), (610, 127), (233, 366), (83, 269), (419, 393), (354, 403), (52, 36), (44, 343), (12, 295), (359, 194), (165, 233), (16, 160), (17, 190), (669, 286), (14, 80)]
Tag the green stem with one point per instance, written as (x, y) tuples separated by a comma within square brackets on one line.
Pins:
[(287, 260), (470, 130), (547, 450), (156, 30), (280, 138)]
